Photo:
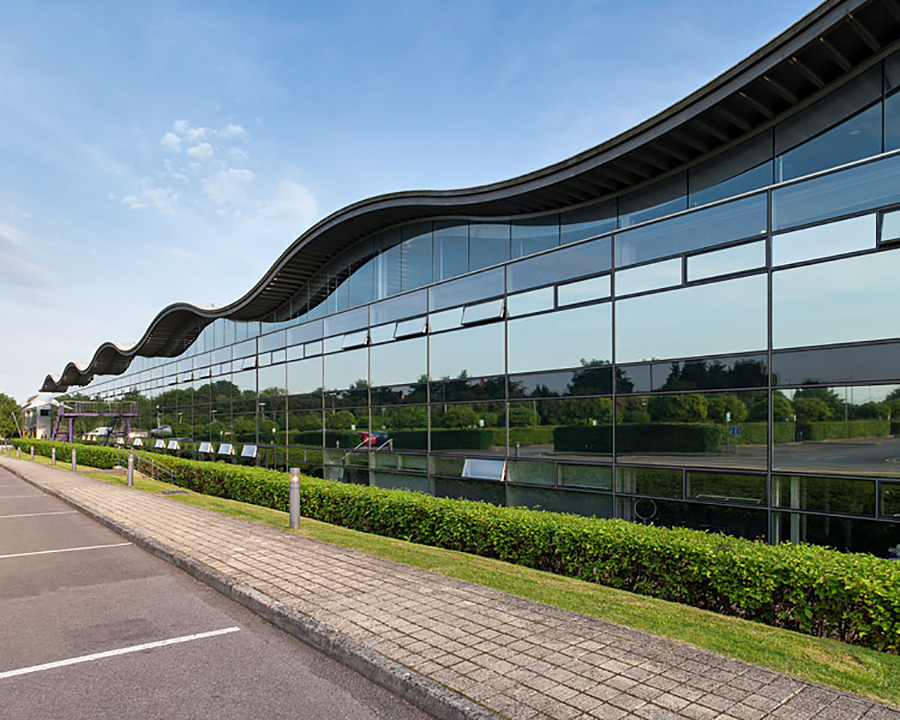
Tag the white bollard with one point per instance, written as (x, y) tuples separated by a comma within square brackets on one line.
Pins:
[(74, 461), (52, 457), (294, 498), (18, 453), (130, 469), (32, 453)]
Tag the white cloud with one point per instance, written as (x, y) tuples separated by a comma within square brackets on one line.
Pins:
[(203, 151), (230, 131), (291, 211), (192, 134), (162, 200), (171, 142), (228, 187)]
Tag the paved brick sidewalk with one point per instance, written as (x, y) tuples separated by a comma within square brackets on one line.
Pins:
[(518, 658)]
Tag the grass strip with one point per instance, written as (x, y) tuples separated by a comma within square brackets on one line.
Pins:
[(845, 667)]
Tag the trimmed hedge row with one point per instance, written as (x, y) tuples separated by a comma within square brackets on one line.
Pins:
[(850, 597), (840, 430)]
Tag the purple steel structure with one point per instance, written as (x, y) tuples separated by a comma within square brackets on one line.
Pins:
[(70, 411)]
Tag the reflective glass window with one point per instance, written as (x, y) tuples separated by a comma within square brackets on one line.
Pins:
[(585, 259), (312, 349), (734, 172), (836, 302), (304, 333), (348, 369), (468, 289), (838, 429), (856, 138), (746, 371), (587, 380), (451, 249), (531, 473), (661, 482), (701, 429), (844, 533), (598, 477), (355, 340), (727, 487), (388, 264), (570, 338), (892, 122), (588, 221), (458, 390), (409, 328), (347, 321), (856, 189), (890, 227), (534, 235), (838, 364), (473, 429), (561, 428), (530, 302), (381, 333), (275, 341), (704, 320), (483, 312), (744, 522), (488, 244), (649, 277), (361, 284), (743, 218), (890, 500), (400, 307), (415, 255), (305, 377), (471, 352), (661, 198), (445, 320), (820, 241), (583, 291), (400, 362), (727, 261), (838, 495)]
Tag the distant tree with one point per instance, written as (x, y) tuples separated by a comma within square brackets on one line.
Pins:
[(341, 420), (834, 401), (720, 404), (523, 416), (686, 408), (458, 417), (812, 409), (872, 411), (9, 408), (758, 409)]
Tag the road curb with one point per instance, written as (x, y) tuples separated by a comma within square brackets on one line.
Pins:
[(434, 698)]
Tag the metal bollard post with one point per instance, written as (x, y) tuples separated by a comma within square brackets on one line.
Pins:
[(130, 469), (32, 453), (52, 457), (74, 461), (294, 498), (18, 453)]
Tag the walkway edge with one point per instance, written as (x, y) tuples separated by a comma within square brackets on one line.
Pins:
[(426, 694)]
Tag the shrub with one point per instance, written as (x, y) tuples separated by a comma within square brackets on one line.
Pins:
[(850, 597)]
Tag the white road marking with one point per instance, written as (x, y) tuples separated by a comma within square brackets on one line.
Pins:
[(55, 512), (114, 653), (63, 550)]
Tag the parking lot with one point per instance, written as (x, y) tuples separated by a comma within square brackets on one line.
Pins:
[(92, 626)]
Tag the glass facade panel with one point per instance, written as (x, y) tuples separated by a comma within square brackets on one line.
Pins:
[(398, 308), (716, 225), (530, 302), (856, 138), (748, 371), (855, 189), (892, 122), (660, 482), (585, 259), (345, 370), (890, 227), (712, 319), (532, 236), (451, 249), (415, 255), (489, 244), (857, 292), (725, 262), (472, 352), (466, 290), (571, 338), (471, 429), (850, 497), (583, 291), (649, 277), (835, 238), (728, 488), (859, 363), (598, 477), (399, 362), (661, 198), (588, 221)]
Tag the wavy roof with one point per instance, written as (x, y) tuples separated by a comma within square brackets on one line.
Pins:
[(809, 59)]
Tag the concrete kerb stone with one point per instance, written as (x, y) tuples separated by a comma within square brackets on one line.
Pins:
[(428, 695)]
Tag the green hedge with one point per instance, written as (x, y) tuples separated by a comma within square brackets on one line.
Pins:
[(840, 430), (810, 589), (757, 433), (639, 437)]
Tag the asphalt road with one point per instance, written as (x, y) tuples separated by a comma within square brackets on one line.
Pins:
[(71, 590)]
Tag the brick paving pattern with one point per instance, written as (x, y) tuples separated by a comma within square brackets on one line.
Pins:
[(521, 659)]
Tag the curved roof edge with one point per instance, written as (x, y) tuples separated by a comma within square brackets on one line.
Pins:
[(804, 62)]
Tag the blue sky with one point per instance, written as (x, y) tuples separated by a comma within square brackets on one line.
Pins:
[(154, 152)]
